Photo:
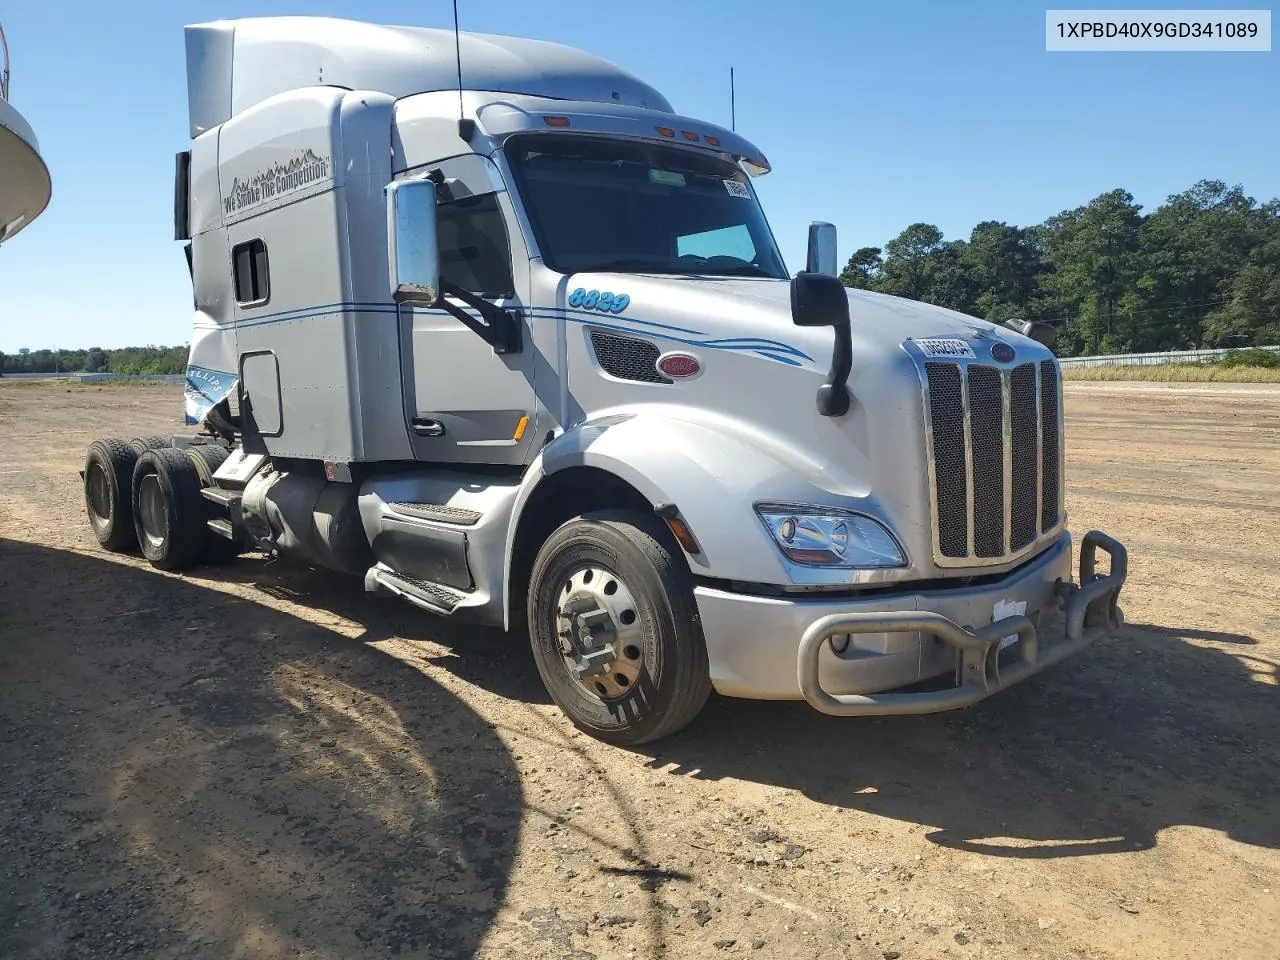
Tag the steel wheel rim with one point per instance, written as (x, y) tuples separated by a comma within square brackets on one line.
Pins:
[(152, 513), (599, 633), (98, 490)]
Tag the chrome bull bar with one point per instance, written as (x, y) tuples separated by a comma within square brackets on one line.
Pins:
[(1090, 612)]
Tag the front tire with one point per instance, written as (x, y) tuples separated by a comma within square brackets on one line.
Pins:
[(615, 630)]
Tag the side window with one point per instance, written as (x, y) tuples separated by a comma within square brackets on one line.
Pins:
[(249, 268), (474, 253)]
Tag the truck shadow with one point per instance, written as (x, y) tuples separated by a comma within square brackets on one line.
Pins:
[(1163, 726), (1097, 755), (1160, 727), (487, 656), (192, 773)]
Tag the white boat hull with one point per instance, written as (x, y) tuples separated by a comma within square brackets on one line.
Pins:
[(24, 179)]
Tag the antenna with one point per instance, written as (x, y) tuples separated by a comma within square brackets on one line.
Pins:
[(466, 128), (733, 106), (4, 66)]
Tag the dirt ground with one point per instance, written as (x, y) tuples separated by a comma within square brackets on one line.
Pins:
[(262, 761)]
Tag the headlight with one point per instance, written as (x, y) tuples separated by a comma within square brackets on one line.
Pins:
[(829, 537)]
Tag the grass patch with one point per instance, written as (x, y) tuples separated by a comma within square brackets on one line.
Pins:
[(1177, 372)]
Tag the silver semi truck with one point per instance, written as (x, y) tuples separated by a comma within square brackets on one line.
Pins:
[(483, 321)]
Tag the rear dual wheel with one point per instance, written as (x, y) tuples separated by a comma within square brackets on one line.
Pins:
[(108, 493), (108, 489), (168, 510), (146, 494)]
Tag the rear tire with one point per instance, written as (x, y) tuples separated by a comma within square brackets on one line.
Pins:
[(207, 458), (168, 510), (657, 678), (108, 494), (140, 445)]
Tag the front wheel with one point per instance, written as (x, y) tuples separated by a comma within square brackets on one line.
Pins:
[(615, 629)]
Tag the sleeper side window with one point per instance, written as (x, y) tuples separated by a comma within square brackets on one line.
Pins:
[(474, 252), (252, 277)]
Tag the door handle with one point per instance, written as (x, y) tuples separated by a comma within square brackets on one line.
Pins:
[(426, 427)]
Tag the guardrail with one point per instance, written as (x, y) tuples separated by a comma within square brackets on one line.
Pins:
[(1152, 359), (99, 377)]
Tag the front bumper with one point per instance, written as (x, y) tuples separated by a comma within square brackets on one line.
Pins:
[(899, 639)]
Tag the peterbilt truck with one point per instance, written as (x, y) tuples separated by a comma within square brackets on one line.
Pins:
[(485, 322)]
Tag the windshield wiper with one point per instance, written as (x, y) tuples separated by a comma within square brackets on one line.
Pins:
[(630, 263), (666, 266), (746, 270)]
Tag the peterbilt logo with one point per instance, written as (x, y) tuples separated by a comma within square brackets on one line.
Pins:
[(1002, 352), (679, 365)]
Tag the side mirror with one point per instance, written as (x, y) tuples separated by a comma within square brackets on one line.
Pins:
[(1041, 333), (413, 252), (821, 257), (820, 300)]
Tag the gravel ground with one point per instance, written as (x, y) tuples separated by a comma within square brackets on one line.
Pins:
[(262, 761)]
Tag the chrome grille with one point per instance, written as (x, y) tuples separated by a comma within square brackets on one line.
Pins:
[(993, 437), (986, 428), (949, 443), (1024, 439), (1051, 432)]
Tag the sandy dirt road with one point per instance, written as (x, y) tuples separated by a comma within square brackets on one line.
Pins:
[(261, 761)]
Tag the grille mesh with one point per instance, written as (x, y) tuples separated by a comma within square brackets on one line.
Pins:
[(995, 456), (950, 485), (1023, 431), (986, 428), (627, 358), (1049, 429)]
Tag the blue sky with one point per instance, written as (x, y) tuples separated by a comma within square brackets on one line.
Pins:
[(874, 116)]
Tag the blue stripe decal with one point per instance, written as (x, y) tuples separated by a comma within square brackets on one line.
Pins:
[(769, 349)]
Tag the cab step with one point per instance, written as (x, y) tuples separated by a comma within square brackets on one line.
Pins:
[(226, 520), (438, 512), (424, 593)]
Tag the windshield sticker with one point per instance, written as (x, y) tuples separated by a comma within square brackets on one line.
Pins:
[(595, 300), (944, 347), (737, 189), (672, 178)]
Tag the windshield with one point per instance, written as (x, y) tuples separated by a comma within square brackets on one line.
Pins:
[(613, 205)]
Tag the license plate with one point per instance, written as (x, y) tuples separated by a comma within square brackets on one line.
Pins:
[(1004, 609)]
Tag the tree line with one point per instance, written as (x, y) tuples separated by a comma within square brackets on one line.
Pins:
[(1202, 270), (128, 361)]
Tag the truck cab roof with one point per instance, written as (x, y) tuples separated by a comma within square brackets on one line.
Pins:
[(234, 64)]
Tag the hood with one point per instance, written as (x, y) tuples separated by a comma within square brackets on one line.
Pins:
[(759, 375), (755, 315)]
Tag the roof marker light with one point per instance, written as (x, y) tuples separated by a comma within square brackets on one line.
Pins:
[(556, 121), (688, 135), (713, 141), (665, 131)]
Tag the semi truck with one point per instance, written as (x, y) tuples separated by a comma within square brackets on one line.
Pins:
[(484, 322)]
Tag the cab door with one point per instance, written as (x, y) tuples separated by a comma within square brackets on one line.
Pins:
[(464, 402)]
